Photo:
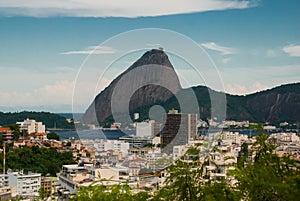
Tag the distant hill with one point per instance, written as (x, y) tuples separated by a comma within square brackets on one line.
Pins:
[(49, 119), (75, 116), (275, 105)]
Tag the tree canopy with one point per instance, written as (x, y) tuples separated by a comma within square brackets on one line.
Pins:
[(49, 119), (35, 159)]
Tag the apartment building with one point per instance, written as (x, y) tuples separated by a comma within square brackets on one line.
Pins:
[(31, 126), (26, 185)]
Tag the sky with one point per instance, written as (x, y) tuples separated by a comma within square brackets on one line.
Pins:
[(254, 45)]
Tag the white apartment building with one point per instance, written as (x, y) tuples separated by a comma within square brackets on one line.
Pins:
[(179, 150), (3, 180), (26, 185), (147, 129), (233, 137), (115, 145), (286, 137), (31, 126)]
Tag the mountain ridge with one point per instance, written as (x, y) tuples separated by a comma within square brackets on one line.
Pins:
[(281, 103)]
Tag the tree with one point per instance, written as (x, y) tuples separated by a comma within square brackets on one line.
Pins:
[(187, 179), (43, 193), (53, 136), (1, 141), (220, 190), (15, 130), (100, 192), (268, 176), (183, 182), (149, 145), (37, 159)]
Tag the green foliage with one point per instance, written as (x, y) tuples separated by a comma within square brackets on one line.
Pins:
[(268, 176), (149, 145), (68, 144), (49, 119), (162, 145), (43, 194), (220, 190), (187, 181), (183, 182), (109, 193), (53, 136), (35, 159), (1, 141), (15, 130), (192, 151)]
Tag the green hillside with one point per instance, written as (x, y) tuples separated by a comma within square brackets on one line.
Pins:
[(49, 119), (274, 105)]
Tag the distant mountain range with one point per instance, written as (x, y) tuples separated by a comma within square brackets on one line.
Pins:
[(273, 105)]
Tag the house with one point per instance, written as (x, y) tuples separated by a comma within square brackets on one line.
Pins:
[(6, 133)]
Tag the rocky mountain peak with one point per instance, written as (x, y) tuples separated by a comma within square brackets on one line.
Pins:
[(158, 69)]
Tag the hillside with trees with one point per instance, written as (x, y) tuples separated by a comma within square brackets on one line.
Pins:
[(50, 120), (35, 159), (275, 105)]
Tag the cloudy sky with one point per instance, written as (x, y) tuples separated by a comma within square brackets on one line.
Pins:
[(255, 45)]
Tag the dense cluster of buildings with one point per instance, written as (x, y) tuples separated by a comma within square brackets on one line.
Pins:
[(138, 160)]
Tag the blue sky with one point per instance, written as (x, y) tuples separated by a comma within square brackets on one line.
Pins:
[(254, 44)]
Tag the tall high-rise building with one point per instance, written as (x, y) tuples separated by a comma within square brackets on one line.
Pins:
[(179, 128)]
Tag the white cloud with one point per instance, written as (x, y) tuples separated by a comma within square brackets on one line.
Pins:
[(92, 50), (219, 48), (59, 92), (226, 60), (292, 50), (239, 89), (115, 8), (154, 45)]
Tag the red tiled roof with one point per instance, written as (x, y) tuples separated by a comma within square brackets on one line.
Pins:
[(30, 145), (139, 160), (4, 129)]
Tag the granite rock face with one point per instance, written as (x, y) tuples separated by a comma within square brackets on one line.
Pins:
[(150, 80)]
